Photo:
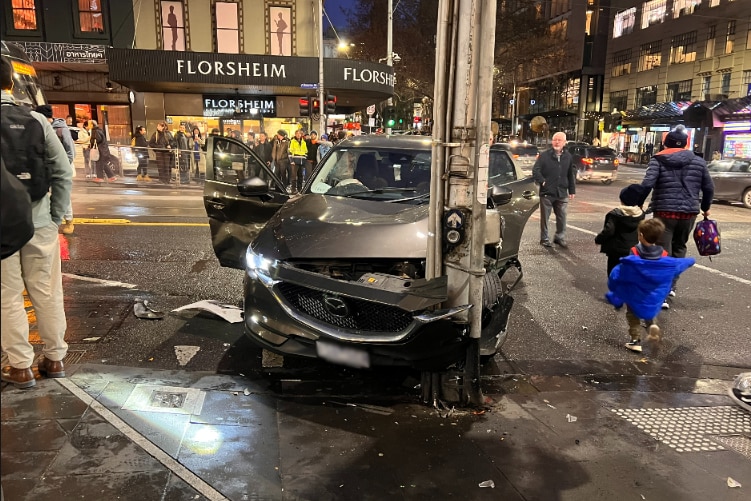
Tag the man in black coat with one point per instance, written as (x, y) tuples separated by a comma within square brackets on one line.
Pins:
[(555, 174)]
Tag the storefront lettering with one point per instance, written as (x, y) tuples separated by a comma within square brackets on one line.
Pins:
[(240, 103), (368, 76), (231, 68)]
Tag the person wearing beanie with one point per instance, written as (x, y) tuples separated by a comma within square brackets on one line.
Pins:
[(681, 188), (280, 156), (619, 232)]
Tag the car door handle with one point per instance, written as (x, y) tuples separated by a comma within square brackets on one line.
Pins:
[(529, 194), (216, 204)]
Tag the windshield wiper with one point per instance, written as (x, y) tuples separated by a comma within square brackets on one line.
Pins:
[(388, 189), (409, 199)]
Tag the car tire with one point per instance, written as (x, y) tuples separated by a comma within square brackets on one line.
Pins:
[(607, 182), (491, 339), (746, 198)]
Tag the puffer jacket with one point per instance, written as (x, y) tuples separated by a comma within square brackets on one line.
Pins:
[(679, 181), (619, 232), (556, 176)]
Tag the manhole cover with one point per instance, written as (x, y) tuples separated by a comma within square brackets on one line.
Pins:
[(739, 443), (170, 399), (689, 429)]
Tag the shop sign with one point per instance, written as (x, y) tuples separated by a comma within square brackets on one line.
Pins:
[(45, 52), (234, 106)]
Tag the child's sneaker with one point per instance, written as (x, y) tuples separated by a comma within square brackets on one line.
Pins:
[(653, 334), (665, 305), (634, 346), (672, 293)]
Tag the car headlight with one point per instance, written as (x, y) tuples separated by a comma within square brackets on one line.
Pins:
[(258, 266)]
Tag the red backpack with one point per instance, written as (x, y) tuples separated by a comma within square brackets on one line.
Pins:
[(707, 237)]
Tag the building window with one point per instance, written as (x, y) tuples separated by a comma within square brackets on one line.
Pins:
[(650, 56), (90, 16), (624, 22), (714, 3), (679, 91), (280, 30), (711, 34), (706, 84), (227, 17), (653, 12), (729, 37), (748, 35), (646, 95), (619, 100), (173, 25), (725, 85), (559, 30), (24, 15), (621, 63), (683, 48), (746, 77), (588, 25), (684, 7)]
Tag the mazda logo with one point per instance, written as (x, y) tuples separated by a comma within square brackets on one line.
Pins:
[(336, 306)]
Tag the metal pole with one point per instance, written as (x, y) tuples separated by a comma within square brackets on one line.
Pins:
[(390, 48), (321, 91)]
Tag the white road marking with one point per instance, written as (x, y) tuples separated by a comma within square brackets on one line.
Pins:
[(100, 281), (699, 266), (168, 461)]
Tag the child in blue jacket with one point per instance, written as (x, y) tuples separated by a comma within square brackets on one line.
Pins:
[(643, 279)]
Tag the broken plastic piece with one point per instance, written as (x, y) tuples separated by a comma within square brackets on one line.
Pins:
[(143, 310), (570, 418), (733, 483), (488, 483), (228, 312)]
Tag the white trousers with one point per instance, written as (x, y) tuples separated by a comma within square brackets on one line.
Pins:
[(37, 268)]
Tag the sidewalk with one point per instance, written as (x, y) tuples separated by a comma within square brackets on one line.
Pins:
[(554, 430)]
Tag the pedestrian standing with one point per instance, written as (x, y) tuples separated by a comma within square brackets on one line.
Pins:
[(103, 166), (141, 149), (555, 174), (183, 154), (641, 280), (324, 145), (263, 150), (36, 267), (280, 156), (681, 186), (298, 152), (312, 157), (197, 147), (620, 231), (161, 144)]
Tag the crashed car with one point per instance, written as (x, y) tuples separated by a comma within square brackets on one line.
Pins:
[(338, 271)]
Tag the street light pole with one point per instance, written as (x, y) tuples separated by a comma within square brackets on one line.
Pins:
[(321, 91), (390, 48)]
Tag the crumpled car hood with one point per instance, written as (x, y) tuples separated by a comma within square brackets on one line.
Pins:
[(324, 227)]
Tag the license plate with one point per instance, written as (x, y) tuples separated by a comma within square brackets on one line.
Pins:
[(344, 355), (604, 161)]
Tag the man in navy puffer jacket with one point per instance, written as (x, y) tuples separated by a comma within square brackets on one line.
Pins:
[(681, 187)]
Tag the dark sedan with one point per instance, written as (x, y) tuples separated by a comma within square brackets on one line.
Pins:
[(594, 163), (732, 180), (338, 272)]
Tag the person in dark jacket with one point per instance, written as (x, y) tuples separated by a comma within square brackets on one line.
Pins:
[(106, 160), (161, 143), (619, 232), (681, 185), (312, 157), (263, 150), (140, 148), (555, 174), (183, 151), (280, 156)]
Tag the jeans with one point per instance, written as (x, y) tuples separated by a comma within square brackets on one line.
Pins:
[(36, 267), (297, 173), (559, 206)]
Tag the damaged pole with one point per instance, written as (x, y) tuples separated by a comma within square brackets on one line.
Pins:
[(463, 90)]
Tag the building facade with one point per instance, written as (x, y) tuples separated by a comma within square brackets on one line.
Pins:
[(678, 61)]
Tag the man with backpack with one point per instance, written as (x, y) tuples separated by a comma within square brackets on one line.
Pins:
[(64, 134), (32, 152)]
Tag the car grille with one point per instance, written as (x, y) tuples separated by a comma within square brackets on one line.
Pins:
[(362, 315)]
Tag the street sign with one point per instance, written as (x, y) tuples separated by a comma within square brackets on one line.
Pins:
[(371, 109), (308, 86)]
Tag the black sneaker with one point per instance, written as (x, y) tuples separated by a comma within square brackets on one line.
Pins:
[(562, 243), (634, 346), (546, 243)]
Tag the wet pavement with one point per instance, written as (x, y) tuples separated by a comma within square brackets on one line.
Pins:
[(550, 430)]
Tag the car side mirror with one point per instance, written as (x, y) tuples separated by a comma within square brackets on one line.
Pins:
[(500, 195), (252, 187)]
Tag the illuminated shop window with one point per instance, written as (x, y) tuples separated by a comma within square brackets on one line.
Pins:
[(173, 25), (90, 16), (653, 12), (624, 22), (24, 14), (683, 48)]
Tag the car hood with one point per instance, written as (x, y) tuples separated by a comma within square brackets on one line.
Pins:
[(324, 227)]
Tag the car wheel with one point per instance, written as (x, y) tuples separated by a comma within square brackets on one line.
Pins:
[(495, 312), (746, 199), (607, 182)]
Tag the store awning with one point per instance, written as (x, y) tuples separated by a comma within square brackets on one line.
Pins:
[(670, 111), (702, 113)]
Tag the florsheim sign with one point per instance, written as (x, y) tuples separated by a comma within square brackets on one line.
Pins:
[(233, 106), (137, 65)]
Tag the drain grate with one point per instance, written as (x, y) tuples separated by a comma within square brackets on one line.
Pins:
[(689, 429), (739, 443), (169, 399)]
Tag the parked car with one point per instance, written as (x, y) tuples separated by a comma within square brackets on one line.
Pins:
[(594, 163), (523, 153), (338, 272), (732, 180)]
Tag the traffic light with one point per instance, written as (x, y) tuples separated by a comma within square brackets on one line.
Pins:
[(389, 116), (316, 107), (330, 104), (305, 106)]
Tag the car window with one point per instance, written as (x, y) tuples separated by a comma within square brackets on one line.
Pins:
[(232, 163), (740, 166), (720, 166), (501, 169)]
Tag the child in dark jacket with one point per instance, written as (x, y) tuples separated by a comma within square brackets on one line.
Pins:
[(619, 232), (642, 280)]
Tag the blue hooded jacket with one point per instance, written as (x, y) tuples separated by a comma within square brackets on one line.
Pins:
[(643, 284)]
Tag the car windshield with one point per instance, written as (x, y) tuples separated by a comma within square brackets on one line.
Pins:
[(388, 174)]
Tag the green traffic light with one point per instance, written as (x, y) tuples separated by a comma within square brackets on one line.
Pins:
[(619, 127), (390, 123)]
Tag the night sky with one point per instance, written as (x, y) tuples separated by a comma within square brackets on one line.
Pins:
[(334, 9)]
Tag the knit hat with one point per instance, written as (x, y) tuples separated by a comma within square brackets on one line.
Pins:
[(676, 138), (282, 132), (45, 110), (632, 195), (325, 137), (313, 132)]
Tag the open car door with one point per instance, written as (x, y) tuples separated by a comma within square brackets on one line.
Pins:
[(236, 215)]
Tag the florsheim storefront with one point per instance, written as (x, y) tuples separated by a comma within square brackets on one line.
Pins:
[(241, 92)]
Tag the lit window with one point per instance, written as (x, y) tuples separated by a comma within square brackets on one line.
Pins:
[(624, 22), (173, 25), (683, 48), (748, 35), (646, 95), (621, 63), (711, 34), (729, 37), (588, 26), (650, 56), (679, 91), (746, 77), (90, 16), (684, 7), (227, 27), (653, 12), (714, 3), (24, 15)]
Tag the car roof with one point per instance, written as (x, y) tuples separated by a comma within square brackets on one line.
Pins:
[(387, 141), (506, 146)]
